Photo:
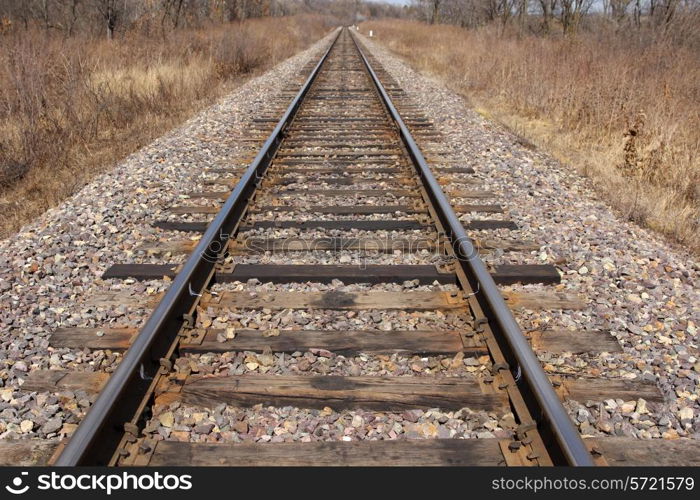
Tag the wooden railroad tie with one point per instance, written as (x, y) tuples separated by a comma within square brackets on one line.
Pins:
[(370, 273)]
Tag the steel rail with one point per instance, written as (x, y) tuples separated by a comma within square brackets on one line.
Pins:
[(95, 440), (570, 448)]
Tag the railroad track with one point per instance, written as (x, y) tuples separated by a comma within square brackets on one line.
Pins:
[(340, 174)]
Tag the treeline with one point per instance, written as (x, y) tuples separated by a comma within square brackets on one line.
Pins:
[(678, 18), (111, 17)]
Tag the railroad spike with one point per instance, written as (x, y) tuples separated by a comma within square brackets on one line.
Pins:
[(166, 366)]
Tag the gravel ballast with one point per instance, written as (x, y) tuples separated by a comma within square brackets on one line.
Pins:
[(638, 287), (50, 270)]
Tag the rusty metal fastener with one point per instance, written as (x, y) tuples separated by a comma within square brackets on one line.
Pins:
[(188, 320), (131, 428), (497, 367), (166, 366), (480, 323), (523, 428)]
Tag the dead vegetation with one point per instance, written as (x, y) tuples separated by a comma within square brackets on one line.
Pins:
[(70, 106), (622, 108)]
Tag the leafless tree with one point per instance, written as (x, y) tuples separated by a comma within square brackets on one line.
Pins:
[(522, 7), (111, 12), (435, 16), (571, 12), (464, 13), (548, 8), (172, 10), (73, 12), (431, 10), (618, 10), (663, 11)]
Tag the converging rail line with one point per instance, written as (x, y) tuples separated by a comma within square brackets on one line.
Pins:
[(341, 171)]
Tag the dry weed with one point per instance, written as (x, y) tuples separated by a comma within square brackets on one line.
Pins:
[(71, 107), (615, 106)]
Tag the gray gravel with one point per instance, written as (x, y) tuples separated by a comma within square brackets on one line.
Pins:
[(275, 425), (322, 362), (423, 257), (50, 270), (640, 288)]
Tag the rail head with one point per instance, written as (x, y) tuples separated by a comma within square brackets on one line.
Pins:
[(529, 370), (96, 438)]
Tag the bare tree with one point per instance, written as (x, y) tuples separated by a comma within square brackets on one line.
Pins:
[(571, 12), (638, 13), (548, 8), (465, 13), (664, 12), (618, 10), (505, 10), (172, 9), (432, 8), (72, 14), (111, 12), (44, 12), (435, 17)]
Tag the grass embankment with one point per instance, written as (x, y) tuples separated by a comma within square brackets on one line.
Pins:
[(72, 106)]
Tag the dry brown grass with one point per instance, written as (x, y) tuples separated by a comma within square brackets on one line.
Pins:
[(624, 112), (71, 107)]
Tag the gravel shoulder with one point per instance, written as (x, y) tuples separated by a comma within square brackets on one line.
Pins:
[(49, 270), (640, 288)]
